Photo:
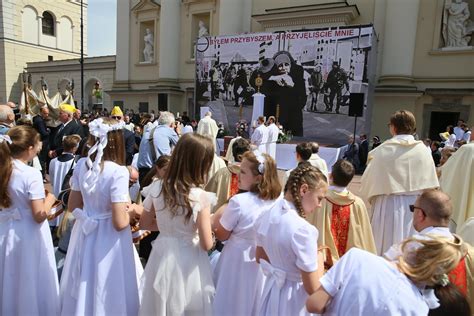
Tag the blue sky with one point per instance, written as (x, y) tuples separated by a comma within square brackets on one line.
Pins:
[(102, 26)]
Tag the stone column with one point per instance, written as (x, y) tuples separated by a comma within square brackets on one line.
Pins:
[(123, 41), (401, 19), (168, 47), (40, 28), (57, 33)]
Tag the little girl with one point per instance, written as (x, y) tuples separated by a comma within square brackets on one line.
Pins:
[(177, 278), (287, 245), (99, 276), (27, 265), (236, 274)]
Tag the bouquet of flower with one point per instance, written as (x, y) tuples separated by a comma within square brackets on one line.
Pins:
[(284, 136)]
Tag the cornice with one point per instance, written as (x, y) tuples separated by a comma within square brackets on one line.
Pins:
[(313, 15)]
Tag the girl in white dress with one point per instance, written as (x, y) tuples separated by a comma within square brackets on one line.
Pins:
[(364, 284), (287, 247), (177, 278), (237, 274), (99, 276), (29, 283)]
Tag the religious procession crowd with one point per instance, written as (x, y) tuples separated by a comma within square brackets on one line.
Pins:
[(145, 218)]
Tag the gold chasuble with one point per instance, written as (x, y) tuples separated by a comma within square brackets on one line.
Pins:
[(225, 184), (398, 166), (343, 223)]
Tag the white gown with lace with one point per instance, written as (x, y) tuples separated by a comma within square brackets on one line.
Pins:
[(100, 273), (177, 278)]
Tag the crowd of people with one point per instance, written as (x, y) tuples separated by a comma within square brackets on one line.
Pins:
[(146, 218)]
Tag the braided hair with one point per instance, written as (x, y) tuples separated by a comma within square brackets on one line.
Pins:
[(305, 173)]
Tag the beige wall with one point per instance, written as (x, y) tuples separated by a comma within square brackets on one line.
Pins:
[(15, 52), (95, 69), (431, 62), (15, 56)]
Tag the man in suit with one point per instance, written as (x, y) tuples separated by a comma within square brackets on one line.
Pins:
[(363, 153), (352, 152), (129, 136), (68, 127), (39, 123)]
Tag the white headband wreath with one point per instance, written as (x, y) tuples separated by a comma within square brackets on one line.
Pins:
[(98, 129), (5, 138), (261, 161)]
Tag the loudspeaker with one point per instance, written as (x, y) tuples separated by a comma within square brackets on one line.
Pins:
[(356, 104)]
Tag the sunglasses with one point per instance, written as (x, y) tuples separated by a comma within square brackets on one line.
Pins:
[(413, 207), (116, 117)]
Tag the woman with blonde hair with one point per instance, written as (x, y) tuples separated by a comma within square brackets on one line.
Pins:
[(27, 265), (258, 178), (287, 247), (99, 270), (177, 278), (364, 284)]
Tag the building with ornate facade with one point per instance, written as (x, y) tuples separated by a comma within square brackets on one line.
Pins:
[(423, 64), (36, 30)]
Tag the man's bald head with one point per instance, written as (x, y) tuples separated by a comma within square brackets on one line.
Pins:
[(437, 206), (6, 114)]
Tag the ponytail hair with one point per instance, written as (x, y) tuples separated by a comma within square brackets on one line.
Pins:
[(451, 302), (22, 138), (6, 169), (429, 260), (307, 174), (262, 164)]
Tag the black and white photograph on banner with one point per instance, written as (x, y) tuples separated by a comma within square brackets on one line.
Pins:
[(304, 79)]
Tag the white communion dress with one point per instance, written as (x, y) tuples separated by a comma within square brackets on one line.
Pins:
[(28, 277), (99, 276), (177, 278)]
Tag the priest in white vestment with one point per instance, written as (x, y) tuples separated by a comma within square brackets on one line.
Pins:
[(208, 127), (273, 132), (317, 161), (397, 172), (260, 136), (457, 180)]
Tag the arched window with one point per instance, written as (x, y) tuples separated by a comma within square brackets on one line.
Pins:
[(48, 24)]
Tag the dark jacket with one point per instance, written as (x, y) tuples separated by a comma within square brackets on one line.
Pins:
[(40, 125), (70, 129), (129, 141)]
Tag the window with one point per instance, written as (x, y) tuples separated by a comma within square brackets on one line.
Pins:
[(50, 58), (143, 107), (48, 24), (162, 102)]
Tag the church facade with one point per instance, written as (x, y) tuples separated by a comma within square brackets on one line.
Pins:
[(422, 64)]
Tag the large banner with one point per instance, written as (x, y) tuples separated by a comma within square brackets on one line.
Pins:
[(307, 78)]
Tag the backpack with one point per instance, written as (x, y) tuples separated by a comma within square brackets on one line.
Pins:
[(65, 186)]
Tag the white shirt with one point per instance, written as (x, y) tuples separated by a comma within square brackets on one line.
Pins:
[(467, 136), (361, 283), (187, 129), (260, 138), (459, 132), (273, 132), (395, 251)]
